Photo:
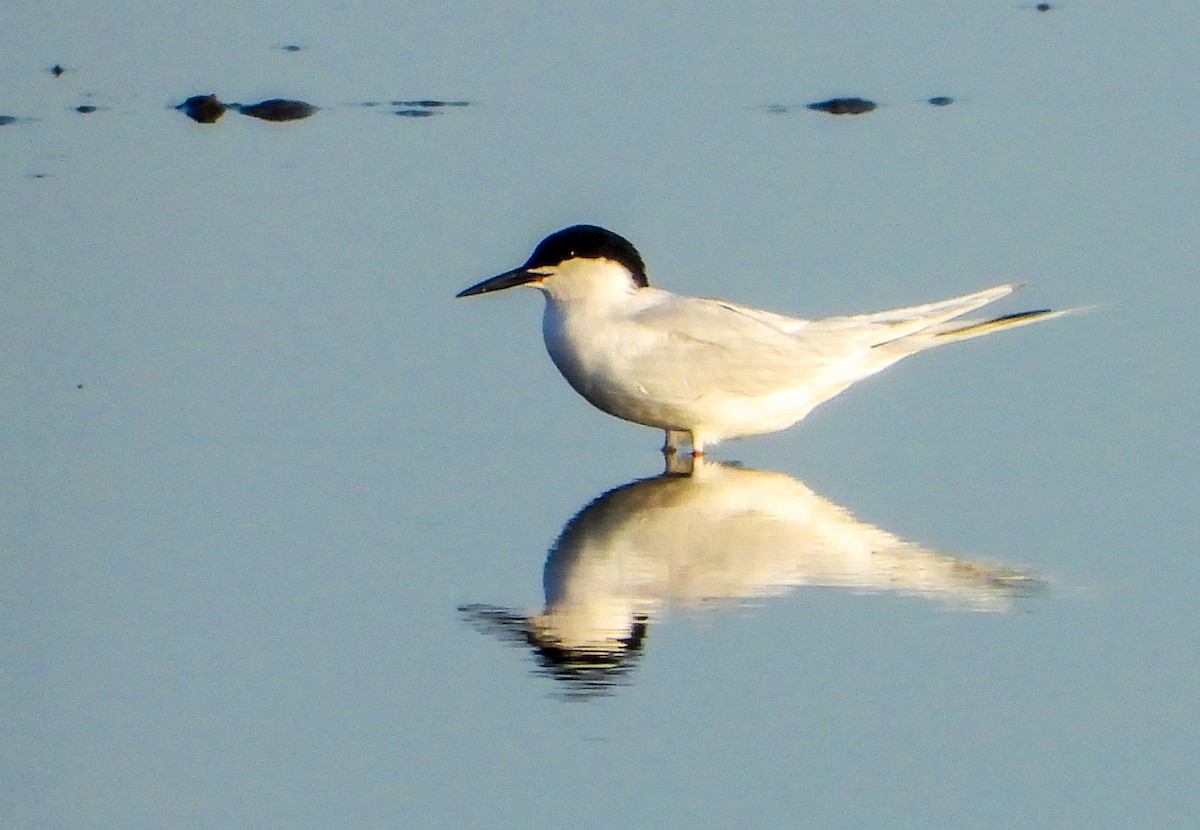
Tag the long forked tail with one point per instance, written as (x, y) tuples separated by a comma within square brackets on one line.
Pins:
[(910, 330), (955, 330)]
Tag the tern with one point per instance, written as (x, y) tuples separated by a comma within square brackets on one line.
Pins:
[(705, 369)]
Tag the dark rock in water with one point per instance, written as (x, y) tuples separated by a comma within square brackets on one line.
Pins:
[(414, 113), (57, 70), (1043, 7), (843, 106), (86, 108), (941, 100), (8, 119), (277, 109), (203, 109)]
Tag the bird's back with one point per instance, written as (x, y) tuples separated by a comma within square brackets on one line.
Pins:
[(724, 370)]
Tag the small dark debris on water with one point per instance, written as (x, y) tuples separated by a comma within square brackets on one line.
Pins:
[(79, 386), (1043, 7), (423, 107), (203, 109), (429, 103), (86, 108), (277, 109), (57, 70), (8, 119), (416, 108), (291, 47), (843, 106), (940, 101)]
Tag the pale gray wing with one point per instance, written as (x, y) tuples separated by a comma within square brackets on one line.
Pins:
[(704, 345)]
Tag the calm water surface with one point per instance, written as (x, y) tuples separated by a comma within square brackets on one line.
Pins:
[(293, 539)]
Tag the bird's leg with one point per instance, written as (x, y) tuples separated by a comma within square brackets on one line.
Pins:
[(679, 465), (674, 436)]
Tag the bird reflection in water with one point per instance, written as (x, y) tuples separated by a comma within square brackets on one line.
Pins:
[(721, 533)]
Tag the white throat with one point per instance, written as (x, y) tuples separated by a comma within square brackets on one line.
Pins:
[(595, 283)]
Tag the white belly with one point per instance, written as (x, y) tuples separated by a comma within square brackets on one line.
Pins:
[(627, 370)]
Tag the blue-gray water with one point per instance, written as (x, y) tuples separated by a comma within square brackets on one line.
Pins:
[(276, 508)]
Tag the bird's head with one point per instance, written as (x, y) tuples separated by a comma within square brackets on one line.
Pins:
[(579, 260)]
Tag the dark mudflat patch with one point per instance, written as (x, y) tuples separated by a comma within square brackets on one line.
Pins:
[(412, 112), (86, 109), (940, 101), (203, 109), (843, 106), (277, 109), (206, 109)]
